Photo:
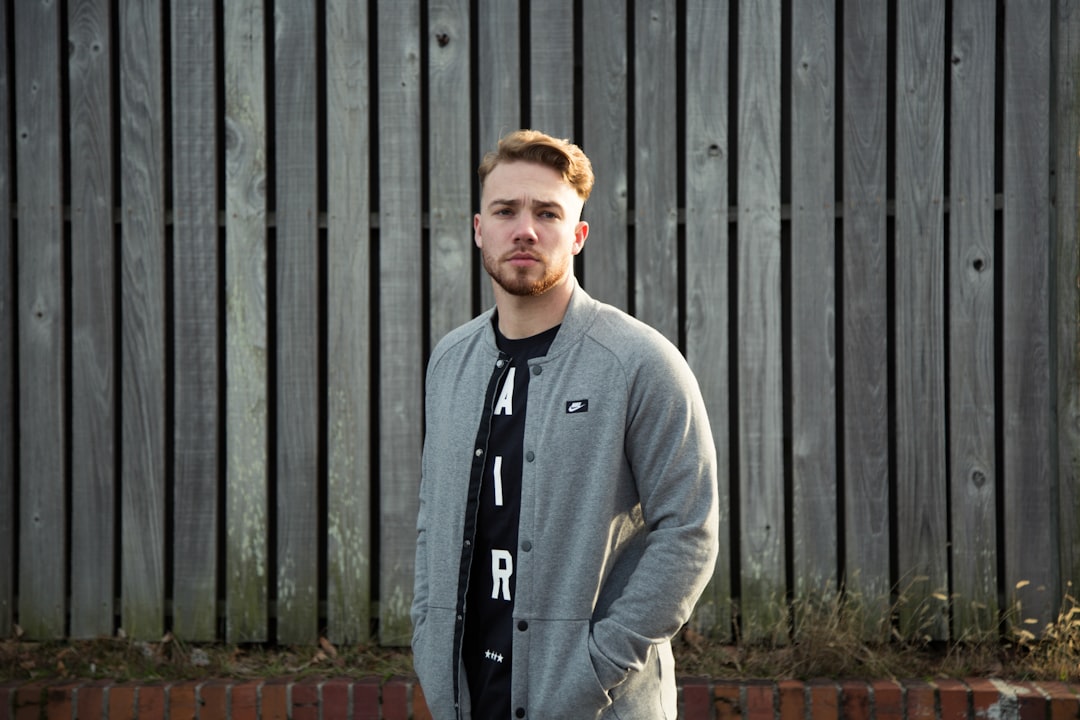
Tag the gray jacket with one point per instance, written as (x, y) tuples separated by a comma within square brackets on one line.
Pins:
[(618, 528)]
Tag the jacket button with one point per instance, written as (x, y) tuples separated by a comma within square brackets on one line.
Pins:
[(526, 546), (522, 625), (520, 712), (529, 456), (536, 371)]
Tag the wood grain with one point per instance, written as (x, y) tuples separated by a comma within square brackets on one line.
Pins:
[(349, 278), (247, 419), (142, 189), (93, 364), (196, 317), (297, 307), (972, 395), (708, 307)]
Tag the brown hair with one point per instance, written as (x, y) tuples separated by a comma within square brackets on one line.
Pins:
[(534, 146)]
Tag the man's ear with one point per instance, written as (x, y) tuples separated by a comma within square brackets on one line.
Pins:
[(476, 231), (581, 232)]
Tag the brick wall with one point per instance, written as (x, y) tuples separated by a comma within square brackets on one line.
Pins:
[(402, 699)]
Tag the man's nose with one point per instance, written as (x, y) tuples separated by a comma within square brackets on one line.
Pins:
[(525, 230)]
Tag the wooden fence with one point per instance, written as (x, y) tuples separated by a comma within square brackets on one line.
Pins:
[(236, 229)]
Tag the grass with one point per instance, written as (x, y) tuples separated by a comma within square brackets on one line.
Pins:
[(825, 639)]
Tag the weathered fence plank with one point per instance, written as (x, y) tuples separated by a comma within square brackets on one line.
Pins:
[(604, 263), (656, 204), (972, 461), (813, 300), (758, 341), (8, 501), (551, 67), (864, 256), (1026, 347), (296, 267), (707, 269), (400, 329), (349, 273), (195, 312), (143, 362), (499, 74), (247, 419), (93, 362), (1067, 257), (451, 170), (43, 436), (921, 533)]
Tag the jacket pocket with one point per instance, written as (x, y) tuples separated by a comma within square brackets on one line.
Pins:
[(563, 684), (433, 660)]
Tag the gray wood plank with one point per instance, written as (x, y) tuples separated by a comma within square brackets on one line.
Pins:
[(8, 500), (246, 352), (972, 395), (349, 564), (142, 189), (707, 287), (656, 205), (919, 310), (760, 385), (604, 264), (297, 304), (42, 317), (451, 171), (93, 386), (551, 67), (1067, 209), (1031, 563), (195, 313), (400, 323), (813, 301), (498, 45), (865, 409)]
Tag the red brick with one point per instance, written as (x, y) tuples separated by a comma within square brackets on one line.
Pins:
[(792, 700), (1031, 702), (1064, 701), (181, 699), (305, 700), (759, 701), (697, 699), (921, 701), (28, 702), (395, 700), (824, 700), (151, 702), (985, 699), (60, 700), (953, 700), (275, 701), (366, 701), (888, 700), (121, 702), (726, 700), (420, 709), (335, 699), (213, 700), (90, 700), (7, 699), (855, 700), (244, 701)]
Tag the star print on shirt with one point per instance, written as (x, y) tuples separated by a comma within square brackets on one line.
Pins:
[(492, 655)]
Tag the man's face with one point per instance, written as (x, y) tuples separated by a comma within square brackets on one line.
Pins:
[(528, 228)]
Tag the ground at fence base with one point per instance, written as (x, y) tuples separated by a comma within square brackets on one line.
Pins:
[(401, 698)]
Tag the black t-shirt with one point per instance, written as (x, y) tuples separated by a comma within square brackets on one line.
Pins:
[(489, 601)]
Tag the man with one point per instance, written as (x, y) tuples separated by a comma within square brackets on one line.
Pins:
[(568, 506)]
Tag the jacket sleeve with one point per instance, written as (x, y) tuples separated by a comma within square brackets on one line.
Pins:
[(670, 448)]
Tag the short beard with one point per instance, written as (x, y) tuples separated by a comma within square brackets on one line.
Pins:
[(516, 282)]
